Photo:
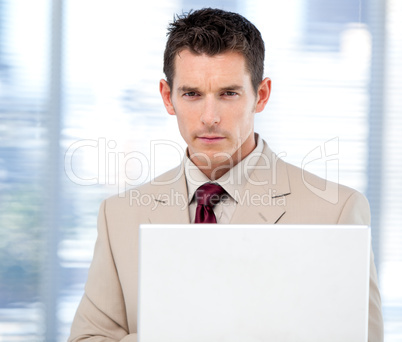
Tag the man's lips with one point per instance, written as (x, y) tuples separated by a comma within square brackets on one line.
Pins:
[(210, 139)]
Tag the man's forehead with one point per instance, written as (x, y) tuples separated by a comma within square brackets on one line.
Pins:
[(229, 67)]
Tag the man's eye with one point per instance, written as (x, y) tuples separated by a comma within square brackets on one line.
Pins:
[(230, 93), (190, 94)]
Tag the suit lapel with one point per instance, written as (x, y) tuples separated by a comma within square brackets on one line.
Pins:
[(169, 199), (262, 200)]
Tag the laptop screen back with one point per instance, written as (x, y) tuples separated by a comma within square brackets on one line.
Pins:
[(253, 283)]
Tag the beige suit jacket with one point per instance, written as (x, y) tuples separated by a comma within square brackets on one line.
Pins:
[(108, 309)]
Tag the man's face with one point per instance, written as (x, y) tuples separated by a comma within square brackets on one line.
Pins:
[(215, 104)]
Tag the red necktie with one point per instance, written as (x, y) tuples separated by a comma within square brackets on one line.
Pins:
[(207, 196)]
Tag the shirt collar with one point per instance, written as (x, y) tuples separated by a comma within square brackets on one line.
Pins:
[(232, 181)]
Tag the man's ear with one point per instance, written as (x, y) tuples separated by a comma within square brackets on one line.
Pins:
[(165, 91), (264, 90)]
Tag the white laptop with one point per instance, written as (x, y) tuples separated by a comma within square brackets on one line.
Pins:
[(249, 283)]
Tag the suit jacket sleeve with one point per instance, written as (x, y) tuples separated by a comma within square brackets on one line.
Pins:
[(357, 211), (101, 315)]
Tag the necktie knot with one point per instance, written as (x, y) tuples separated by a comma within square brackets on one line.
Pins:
[(209, 194)]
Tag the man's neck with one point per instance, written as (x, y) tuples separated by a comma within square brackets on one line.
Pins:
[(217, 170)]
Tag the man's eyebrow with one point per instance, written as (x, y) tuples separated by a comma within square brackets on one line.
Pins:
[(233, 87), (187, 89)]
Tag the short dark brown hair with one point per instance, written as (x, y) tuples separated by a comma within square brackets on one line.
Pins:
[(214, 31)]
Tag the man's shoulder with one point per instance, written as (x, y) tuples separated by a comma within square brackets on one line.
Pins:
[(161, 183), (304, 182), (326, 197)]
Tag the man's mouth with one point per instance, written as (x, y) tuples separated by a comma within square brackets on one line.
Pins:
[(210, 138)]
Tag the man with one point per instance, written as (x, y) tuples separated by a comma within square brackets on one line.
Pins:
[(214, 85)]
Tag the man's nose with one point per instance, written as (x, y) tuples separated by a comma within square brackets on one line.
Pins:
[(210, 115)]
